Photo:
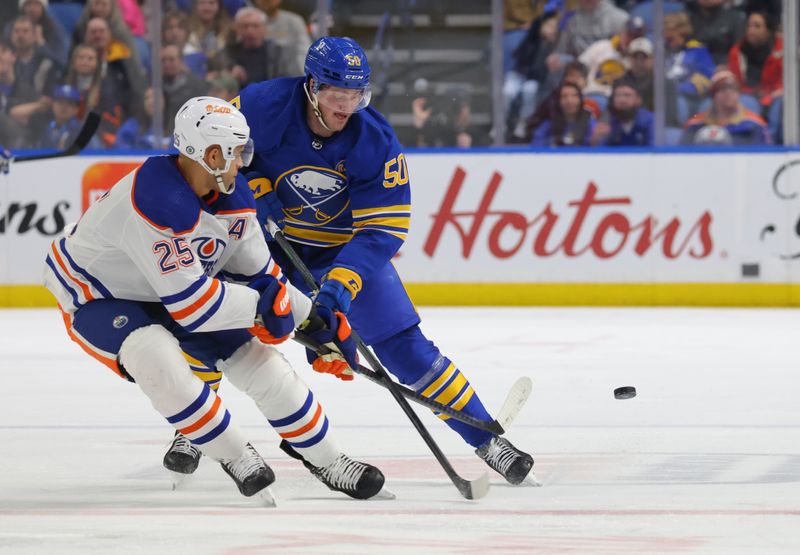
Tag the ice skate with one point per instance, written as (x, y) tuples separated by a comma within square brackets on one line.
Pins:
[(356, 479), (514, 465), (251, 474), (181, 459)]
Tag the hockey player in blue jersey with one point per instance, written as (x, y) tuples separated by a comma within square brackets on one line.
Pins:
[(137, 281), (330, 171)]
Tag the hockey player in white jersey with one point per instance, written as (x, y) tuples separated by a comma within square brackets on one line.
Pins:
[(135, 281)]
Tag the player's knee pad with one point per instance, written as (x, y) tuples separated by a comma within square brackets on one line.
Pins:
[(153, 357), (258, 370), (409, 355)]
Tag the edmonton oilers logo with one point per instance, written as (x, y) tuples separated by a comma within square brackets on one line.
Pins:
[(208, 250), (120, 321), (312, 194)]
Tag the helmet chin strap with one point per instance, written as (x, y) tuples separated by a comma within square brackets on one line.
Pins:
[(218, 176), (315, 106)]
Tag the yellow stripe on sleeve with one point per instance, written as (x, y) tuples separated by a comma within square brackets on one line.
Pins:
[(381, 209)]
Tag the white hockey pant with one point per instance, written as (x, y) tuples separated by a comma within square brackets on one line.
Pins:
[(153, 357)]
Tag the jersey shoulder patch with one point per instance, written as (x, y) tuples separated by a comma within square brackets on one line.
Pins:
[(163, 197)]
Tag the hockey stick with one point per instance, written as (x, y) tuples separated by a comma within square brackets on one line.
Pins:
[(470, 489), (90, 125), (515, 399)]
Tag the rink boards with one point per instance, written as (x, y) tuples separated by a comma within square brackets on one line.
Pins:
[(492, 228)]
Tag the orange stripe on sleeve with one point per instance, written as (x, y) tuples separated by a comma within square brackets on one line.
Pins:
[(84, 288), (183, 313)]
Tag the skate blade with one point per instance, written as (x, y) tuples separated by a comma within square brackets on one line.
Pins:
[(531, 480), (384, 494), (265, 498)]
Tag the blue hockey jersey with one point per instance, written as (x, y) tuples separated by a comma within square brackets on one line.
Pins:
[(349, 191)]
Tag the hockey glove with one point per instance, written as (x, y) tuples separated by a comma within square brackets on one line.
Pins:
[(331, 329), (273, 312), (268, 205), (334, 296)]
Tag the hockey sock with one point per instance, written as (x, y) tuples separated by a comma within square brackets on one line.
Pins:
[(151, 355), (445, 384), (290, 407)]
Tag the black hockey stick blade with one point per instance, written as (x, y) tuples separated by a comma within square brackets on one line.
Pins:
[(492, 426), (90, 125), (469, 489)]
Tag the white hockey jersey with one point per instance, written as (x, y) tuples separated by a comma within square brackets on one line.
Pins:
[(150, 238)]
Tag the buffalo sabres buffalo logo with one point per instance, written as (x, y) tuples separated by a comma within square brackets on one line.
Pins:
[(312, 194), (209, 250)]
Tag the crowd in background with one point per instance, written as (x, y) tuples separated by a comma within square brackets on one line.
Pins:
[(577, 72), (580, 72), (52, 72)]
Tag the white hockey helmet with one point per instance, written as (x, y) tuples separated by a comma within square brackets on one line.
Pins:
[(204, 121)]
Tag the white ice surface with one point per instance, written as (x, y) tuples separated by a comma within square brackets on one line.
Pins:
[(706, 459)]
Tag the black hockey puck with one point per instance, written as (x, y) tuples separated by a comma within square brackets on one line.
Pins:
[(625, 392)]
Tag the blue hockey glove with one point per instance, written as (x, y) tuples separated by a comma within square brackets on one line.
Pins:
[(331, 329), (268, 205), (274, 311), (334, 296)]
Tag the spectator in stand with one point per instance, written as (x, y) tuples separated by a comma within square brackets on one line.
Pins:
[(210, 27), (605, 59), (441, 120), (689, 68), (518, 16), (626, 122), (50, 35), (14, 98), (716, 25), (180, 84), (529, 69), (727, 121), (254, 57), (85, 74), (594, 20), (224, 86), (575, 73), (138, 132), (175, 30), (121, 80), (572, 125), (640, 72), (289, 31), (37, 70), (65, 125), (109, 11), (133, 17), (757, 60), (231, 6)]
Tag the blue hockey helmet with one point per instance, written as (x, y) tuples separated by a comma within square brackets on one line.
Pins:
[(338, 63)]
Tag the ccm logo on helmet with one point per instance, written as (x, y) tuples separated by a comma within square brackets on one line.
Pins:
[(353, 76), (218, 109)]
